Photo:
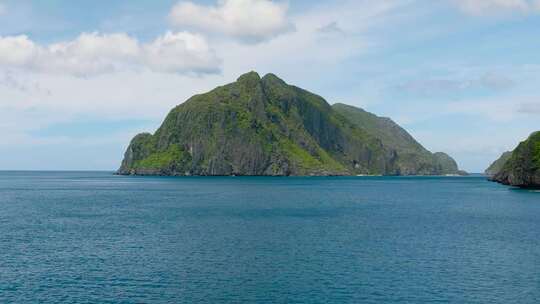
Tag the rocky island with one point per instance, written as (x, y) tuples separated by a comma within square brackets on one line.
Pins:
[(497, 165), (264, 126), (521, 167)]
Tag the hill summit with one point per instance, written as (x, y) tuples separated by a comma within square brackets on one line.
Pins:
[(264, 126)]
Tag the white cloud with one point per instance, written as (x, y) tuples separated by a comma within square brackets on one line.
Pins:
[(487, 7), (94, 53), (456, 84), (181, 52), (17, 50), (11, 82), (303, 55), (89, 54), (331, 28), (530, 108), (250, 21), (497, 109)]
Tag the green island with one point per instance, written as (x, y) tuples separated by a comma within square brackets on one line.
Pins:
[(521, 167), (264, 126)]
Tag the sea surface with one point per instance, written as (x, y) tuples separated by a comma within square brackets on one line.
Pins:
[(92, 237)]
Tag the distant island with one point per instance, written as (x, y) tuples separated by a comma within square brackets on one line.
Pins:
[(266, 127), (520, 167)]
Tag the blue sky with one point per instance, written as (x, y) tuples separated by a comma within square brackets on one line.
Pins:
[(79, 78)]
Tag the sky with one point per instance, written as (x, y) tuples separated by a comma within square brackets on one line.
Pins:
[(78, 79)]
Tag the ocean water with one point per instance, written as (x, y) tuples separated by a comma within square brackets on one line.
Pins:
[(91, 237)]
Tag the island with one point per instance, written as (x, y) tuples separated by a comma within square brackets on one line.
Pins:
[(521, 167), (498, 164), (266, 127)]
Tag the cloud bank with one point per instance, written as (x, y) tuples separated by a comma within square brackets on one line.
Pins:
[(487, 7), (433, 86), (94, 53), (249, 21)]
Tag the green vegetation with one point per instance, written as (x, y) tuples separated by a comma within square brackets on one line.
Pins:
[(497, 165), (162, 159), (536, 149), (308, 162), (411, 157), (390, 133), (522, 168), (263, 126)]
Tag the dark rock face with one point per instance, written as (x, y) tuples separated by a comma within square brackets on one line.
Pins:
[(522, 169), (263, 126)]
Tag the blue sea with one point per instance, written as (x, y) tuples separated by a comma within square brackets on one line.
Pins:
[(92, 237)]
